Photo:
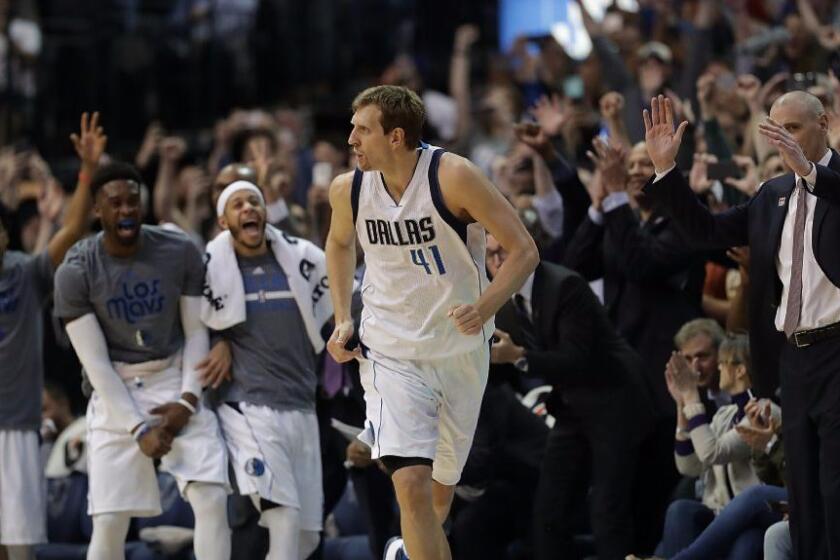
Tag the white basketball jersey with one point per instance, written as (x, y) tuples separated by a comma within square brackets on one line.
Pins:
[(420, 261)]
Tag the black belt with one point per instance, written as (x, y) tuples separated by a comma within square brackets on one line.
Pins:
[(802, 339)]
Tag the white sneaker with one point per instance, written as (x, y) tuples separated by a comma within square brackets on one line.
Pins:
[(394, 550), (170, 540)]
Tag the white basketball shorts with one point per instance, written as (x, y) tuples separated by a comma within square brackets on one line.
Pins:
[(424, 408), (122, 478), (23, 514), (276, 455)]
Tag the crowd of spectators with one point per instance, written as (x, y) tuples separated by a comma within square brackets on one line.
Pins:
[(197, 94)]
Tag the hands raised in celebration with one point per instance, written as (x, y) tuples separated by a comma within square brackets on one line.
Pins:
[(661, 138)]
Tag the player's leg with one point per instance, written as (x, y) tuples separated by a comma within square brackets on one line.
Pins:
[(309, 541), (442, 495), (422, 531), (198, 461), (108, 539), (21, 552), (22, 493), (212, 532), (283, 524)]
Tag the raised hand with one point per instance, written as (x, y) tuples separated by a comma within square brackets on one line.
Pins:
[(741, 256), (661, 140), (789, 149), (596, 190), (90, 142), (611, 162), (172, 148), (534, 136), (551, 115), (51, 201), (465, 37), (748, 88), (698, 177), (611, 104), (748, 183), (829, 37)]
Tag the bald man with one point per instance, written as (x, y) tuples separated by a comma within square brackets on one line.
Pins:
[(792, 226)]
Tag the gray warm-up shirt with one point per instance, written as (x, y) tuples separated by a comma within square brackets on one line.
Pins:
[(135, 299), (25, 284), (273, 359)]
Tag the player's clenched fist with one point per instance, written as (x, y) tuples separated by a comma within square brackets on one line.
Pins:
[(156, 442), (335, 345), (466, 318)]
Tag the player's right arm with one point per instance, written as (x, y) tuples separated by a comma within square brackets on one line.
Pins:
[(341, 266), (91, 347)]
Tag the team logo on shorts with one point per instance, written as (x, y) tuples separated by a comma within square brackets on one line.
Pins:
[(254, 467)]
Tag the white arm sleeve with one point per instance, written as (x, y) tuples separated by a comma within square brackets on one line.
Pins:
[(196, 343), (89, 342)]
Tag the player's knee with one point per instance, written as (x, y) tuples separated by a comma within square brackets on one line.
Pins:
[(413, 484), (208, 501), (309, 541), (111, 525)]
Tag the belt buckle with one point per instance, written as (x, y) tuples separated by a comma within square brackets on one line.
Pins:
[(796, 340)]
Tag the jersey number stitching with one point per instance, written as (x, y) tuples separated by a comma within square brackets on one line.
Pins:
[(418, 257)]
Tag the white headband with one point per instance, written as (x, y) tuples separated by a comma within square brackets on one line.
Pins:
[(232, 188)]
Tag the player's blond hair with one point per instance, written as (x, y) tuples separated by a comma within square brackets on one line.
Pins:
[(401, 108)]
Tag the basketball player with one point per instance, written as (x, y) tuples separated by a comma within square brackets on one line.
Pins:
[(420, 216), (130, 297), (267, 411), (25, 285)]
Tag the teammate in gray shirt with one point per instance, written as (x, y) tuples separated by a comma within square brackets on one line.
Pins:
[(25, 285), (130, 297), (267, 410)]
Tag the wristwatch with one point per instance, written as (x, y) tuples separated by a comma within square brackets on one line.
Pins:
[(521, 363)]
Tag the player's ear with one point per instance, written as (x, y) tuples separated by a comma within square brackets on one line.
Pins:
[(397, 137), (222, 222)]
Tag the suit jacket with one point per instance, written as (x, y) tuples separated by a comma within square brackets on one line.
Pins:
[(596, 375), (652, 284), (758, 223)]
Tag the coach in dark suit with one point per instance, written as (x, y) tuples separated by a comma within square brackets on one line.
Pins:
[(792, 226), (555, 328)]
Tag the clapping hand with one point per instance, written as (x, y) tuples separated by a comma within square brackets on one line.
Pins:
[(610, 161), (762, 426), (662, 140), (682, 379)]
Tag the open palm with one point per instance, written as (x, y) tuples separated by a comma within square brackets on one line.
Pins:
[(91, 140), (662, 141)]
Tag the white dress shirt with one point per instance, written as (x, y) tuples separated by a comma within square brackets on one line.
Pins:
[(525, 291), (820, 297)]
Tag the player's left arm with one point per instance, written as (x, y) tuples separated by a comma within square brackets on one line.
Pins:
[(175, 415), (470, 196)]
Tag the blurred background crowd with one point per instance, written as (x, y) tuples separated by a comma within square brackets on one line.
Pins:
[(187, 87)]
